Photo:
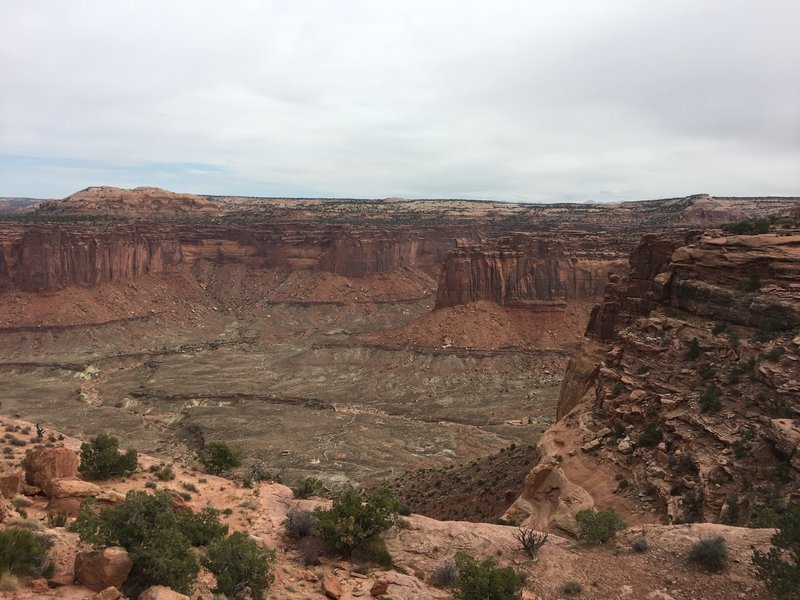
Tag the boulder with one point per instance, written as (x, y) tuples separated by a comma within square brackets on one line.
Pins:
[(101, 569), (45, 464), (10, 483), (159, 592), (77, 488), (379, 588), (331, 586), (110, 593)]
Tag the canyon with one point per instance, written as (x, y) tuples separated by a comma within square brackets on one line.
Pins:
[(485, 360)]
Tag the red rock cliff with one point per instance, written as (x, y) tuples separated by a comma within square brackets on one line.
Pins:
[(526, 270)]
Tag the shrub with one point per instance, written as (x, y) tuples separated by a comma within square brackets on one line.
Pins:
[(8, 582), (241, 566), (599, 527), (58, 519), (764, 518), (351, 520), (710, 399), (444, 575), (373, 550), (530, 541), (259, 472), (478, 581), (782, 576), (693, 351), (719, 328), (650, 437), (751, 284), (100, 458), (218, 457), (711, 553), (307, 487), (165, 474), (23, 553), (640, 545), (706, 371), (731, 513), (299, 523), (157, 536), (572, 588)]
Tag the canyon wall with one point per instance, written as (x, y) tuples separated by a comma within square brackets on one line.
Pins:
[(51, 257), (688, 397), (48, 258), (528, 270)]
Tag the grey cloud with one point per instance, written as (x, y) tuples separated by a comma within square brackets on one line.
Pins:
[(601, 99)]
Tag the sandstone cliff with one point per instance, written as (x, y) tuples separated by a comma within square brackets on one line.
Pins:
[(690, 403), (527, 271)]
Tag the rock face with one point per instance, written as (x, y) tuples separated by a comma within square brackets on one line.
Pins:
[(103, 568), (526, 271), (692, 397), (44, 465), (51, 258)]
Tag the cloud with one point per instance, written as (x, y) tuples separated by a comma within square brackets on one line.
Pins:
[(601, 99)]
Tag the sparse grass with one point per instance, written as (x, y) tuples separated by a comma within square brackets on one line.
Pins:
[(640, 545)]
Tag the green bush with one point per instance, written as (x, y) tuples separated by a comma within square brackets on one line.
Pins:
[(352, 520), (307, 487), (100, 458), (479, 581), (706, 371), (241, 566), (599, 527), (23, 553), (650, 437), (693, 351), (782, 576), (710, 399), (299, 524), (158, 537), (712, 553), (764, 518), (218, 457)]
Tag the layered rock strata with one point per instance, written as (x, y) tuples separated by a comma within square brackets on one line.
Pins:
[(689, 397), (528, 271)]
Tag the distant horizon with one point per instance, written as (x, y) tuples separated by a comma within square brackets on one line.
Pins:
[(420, 198)]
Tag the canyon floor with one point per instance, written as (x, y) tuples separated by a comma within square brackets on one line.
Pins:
[(309, 388)]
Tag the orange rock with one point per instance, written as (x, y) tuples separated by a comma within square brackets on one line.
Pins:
[(110, 593), (10, 482), (39, 585), (379, 588), (159, 592), (103, 568), (45, 464), (331, 586)]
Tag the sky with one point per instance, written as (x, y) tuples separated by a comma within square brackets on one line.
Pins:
[(533, 101)]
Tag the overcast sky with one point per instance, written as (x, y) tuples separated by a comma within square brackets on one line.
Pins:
[(536, 100)]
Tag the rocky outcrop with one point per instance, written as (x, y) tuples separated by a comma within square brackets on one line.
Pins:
[(104, 568), (138, 202), (692, 399), (526, 271), (44, 465), (628, 298)]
